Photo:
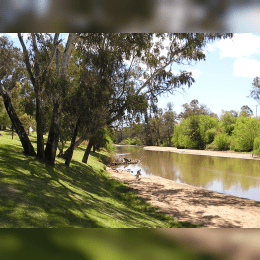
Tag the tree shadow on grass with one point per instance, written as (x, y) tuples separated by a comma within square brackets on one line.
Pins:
[(34, 194), (37, 195)]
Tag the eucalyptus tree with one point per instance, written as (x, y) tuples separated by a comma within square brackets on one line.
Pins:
[(194, 108), (134, 68), (170, 118), (45, 79), (11, 72), (255, 91)]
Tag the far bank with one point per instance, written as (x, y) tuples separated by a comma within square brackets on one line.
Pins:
[(229, 154)]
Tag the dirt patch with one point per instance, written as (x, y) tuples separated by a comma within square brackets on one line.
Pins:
[(192, 204)]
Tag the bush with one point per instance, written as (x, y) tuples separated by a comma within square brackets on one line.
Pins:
[(256, 149), (228, 122), (195, 132), (222, 141), (209, 135), (132, 141), (176, 134), (245, 132), (164, 144), (211, 146), (232, 142)]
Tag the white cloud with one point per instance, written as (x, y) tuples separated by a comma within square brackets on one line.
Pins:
[(195, 72), (245, 67), (241, 45), (12, 35)]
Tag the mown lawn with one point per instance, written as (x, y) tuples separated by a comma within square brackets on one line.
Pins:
[(33, 194)]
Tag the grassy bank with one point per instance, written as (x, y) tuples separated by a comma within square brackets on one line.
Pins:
[(33, 194)]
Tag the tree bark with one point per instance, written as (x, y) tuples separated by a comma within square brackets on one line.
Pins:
[(77, 143), (54, 133), (87, 152), (26, 143), (35, 79), (53, 138), (71, 148), (39, 123)]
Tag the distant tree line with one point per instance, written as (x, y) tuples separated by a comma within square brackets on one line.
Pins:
[(199, 128)]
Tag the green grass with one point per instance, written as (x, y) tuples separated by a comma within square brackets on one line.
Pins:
[(34, 194)]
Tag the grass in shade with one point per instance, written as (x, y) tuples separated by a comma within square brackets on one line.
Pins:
[(34, 194)]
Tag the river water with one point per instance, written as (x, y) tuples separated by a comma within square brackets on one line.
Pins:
[(238, 177)]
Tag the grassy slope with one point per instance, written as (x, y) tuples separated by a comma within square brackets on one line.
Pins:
[(33, 194)]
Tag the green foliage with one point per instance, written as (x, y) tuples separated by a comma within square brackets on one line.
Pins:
[(175, 136), (257, 146), (27, 122), (232, 140), (245, 132), (109, 144), (132, 141), (207, 126), (222, 141), (228, 122), (193, 132), (105, 139), (209, 135)]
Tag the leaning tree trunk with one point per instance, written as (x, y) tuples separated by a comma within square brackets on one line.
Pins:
[(77, 143), (53, 138), (26, 143), (71, 148), (87, 152)]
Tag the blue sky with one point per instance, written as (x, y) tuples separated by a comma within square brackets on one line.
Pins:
[(223, 80)]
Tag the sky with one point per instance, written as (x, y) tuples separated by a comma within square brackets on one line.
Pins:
[(223, 80)]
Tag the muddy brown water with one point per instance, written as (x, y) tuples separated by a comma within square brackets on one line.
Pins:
[(238, 177)]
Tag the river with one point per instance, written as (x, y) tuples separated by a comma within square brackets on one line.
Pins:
[(238, 177)]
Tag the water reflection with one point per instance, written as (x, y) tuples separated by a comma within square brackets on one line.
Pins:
[(233, 176)]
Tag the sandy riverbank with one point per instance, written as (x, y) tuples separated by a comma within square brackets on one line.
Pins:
[(192, 204), (229, 154)]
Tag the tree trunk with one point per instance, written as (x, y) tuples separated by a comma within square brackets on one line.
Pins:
[(71, 148), (26, 143), (12, 131), (94, 148), (87, 152), (53, 138), (39, 122), (77, 143)]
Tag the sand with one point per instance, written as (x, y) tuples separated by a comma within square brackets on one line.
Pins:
[(192, 204), (229, 154)]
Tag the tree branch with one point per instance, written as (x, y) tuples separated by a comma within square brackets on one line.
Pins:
[(26, 59)]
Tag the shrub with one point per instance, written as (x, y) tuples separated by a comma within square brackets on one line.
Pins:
[(132, 141), (232, 142), (256, 149), (209, 135), (211, 146), (194, 132), (176, 134), (222, 141), (228, 122), (245, 132)]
